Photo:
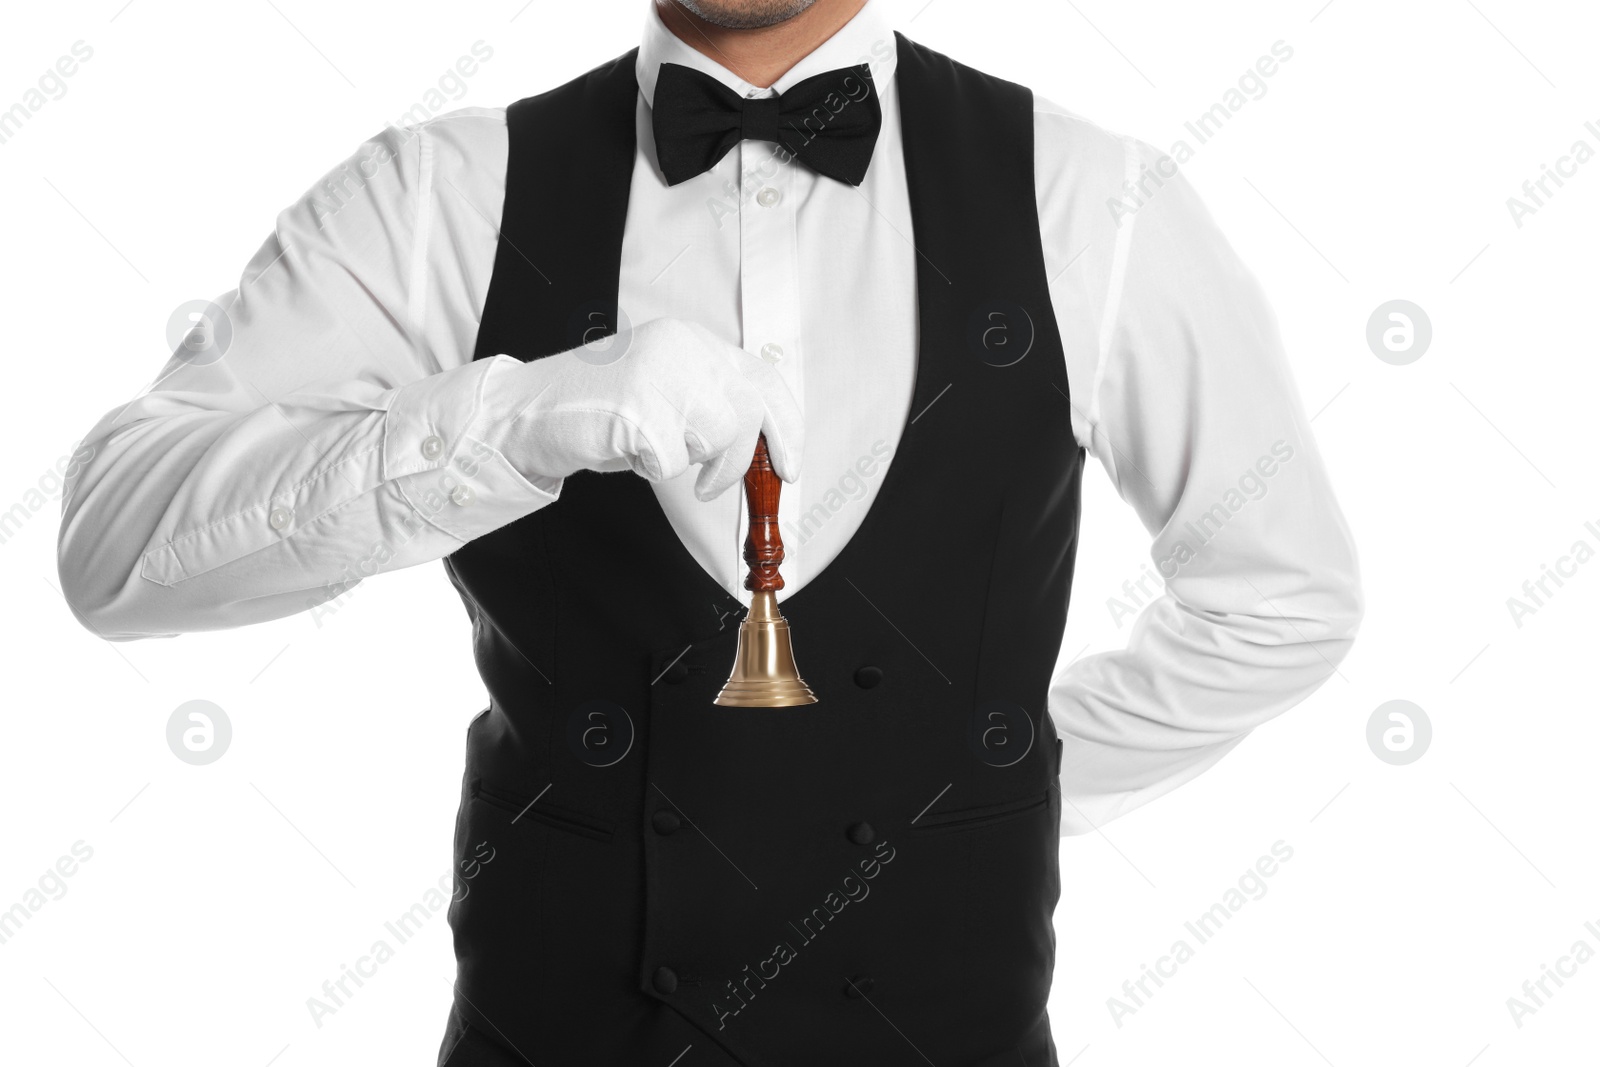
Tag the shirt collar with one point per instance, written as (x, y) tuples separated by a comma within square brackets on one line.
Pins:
[(866, 38)]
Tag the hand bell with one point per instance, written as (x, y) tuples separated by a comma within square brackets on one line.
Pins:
[(764, 674)]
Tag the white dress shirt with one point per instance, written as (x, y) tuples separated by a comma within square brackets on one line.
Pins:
[(346, 430)]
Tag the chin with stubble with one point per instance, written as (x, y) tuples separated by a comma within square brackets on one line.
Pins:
[(746, 14)]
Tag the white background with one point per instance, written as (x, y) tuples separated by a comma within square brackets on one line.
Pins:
[(1376, 167)]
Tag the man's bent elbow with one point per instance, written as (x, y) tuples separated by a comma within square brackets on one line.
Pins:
[(99, 586)]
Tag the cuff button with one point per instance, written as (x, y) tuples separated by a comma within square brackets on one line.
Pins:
[(432, 447)]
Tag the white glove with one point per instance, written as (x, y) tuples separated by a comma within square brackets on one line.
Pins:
[(653, 399)]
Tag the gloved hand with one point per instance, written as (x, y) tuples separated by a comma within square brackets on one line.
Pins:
[(676, 395)]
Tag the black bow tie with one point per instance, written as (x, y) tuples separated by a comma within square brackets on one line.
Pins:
[(829, 122)]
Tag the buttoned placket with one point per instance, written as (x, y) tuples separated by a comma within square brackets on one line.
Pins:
[(770, 290)]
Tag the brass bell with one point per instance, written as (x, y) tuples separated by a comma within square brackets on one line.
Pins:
[(764, 674)]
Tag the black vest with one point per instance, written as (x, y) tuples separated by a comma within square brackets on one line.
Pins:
[(865, 881)]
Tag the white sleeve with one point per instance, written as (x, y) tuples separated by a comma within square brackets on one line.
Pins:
[(329, 432), (1192, 410)]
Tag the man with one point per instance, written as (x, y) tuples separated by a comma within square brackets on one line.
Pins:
[(778, 217)]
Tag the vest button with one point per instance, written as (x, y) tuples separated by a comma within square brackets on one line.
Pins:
[(665, 981), (858, 987), (665, 822), (862, 833), (868, 677), (676, 673)]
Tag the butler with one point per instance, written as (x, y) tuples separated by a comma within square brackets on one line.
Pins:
[(540, 342)]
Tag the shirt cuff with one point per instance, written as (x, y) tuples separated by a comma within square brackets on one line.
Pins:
[(435, 451)]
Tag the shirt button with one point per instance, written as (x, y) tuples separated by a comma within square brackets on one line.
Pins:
[(665, 981), (868, 677), (862, 833), (771, 352), (665, 823), (769, 197), (432, 447), (462, 495), (278, 518)]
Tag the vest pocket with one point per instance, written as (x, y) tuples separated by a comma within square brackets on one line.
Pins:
[(980, 817), (524, 808)]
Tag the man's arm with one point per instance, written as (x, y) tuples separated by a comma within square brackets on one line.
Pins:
[(323, 445), (346, 429), (1192, 410)]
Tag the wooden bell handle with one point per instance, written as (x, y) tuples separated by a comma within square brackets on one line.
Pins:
[(763, 545)]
